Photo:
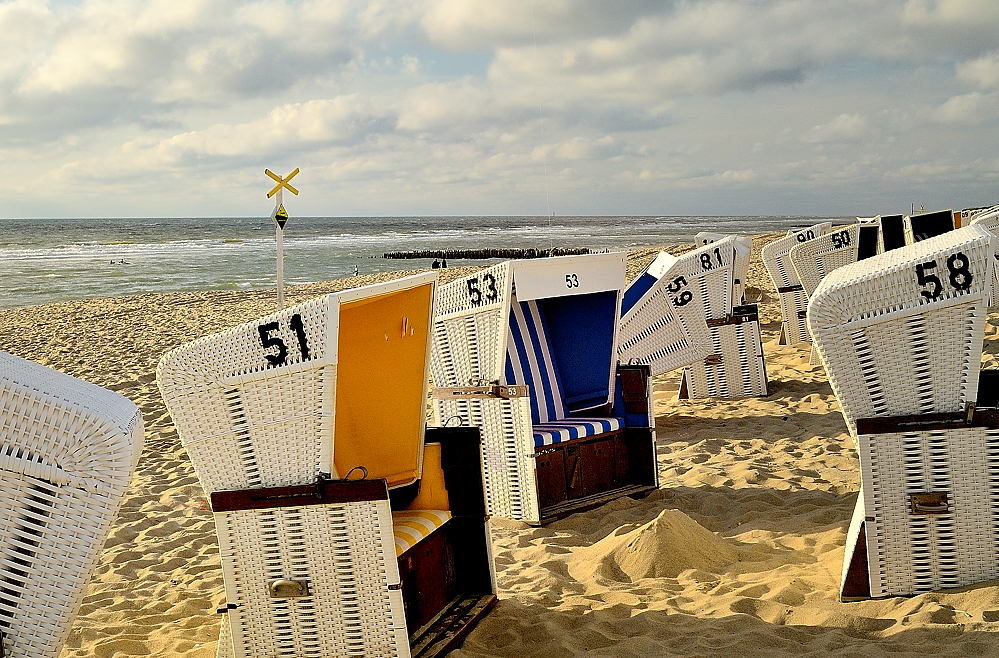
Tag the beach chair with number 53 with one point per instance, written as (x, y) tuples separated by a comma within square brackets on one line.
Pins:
[(527, 351), (68, 449), (345, 527), (900, 335)]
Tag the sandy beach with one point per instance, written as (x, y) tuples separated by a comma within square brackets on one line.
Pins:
[(738, 553)]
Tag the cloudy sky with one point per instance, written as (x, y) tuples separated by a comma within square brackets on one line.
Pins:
[(411, 107)]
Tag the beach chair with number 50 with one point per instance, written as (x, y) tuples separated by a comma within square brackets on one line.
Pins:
[(344, 528), (527, 351), (900, 335), (68, 450)]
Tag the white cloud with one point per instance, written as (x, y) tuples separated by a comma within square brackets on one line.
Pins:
[(442, 103), (844, 128), (982, 72), (973, 108)]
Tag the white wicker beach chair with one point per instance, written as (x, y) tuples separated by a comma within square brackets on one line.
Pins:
[(927, 225), (703, 280), (527, 350), (299, 425), (68, 450), (741, 261), (652, 332), (989, 218), (793, 300), (813, 259), (900, 336)]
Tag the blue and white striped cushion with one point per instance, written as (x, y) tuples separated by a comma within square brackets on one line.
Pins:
[(529, 361), (546, 434)]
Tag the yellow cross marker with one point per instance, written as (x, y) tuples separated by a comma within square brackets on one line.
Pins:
[(281, 182)]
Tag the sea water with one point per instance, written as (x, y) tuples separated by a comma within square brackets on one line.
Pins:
[(51, 260)]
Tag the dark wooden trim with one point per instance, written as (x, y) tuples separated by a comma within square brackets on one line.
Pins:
[(540, 450), (928, 422), (857, 584), (450, 629), (785, 289), (323, 492)]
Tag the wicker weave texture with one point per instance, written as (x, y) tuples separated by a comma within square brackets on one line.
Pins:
[(709, 273), (777, 259), (989, 218), (742, 255), (890, 350), (654, 334), (739, 373), (910, 553), (346, 554), (814, 259), (68, 450), (243, 420), (509, 469)]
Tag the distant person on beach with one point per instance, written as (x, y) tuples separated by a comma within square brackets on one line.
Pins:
[(444, 262), (355, 270), (435, 265)]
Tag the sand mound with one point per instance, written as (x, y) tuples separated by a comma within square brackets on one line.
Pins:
[(662, 548)]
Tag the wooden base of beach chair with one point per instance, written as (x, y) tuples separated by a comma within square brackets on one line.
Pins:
[(582, 473)]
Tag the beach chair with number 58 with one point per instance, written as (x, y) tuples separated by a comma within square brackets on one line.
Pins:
[(527, 351), (68, 449), (344, 527), (900, 335)]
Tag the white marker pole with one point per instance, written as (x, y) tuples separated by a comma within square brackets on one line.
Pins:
[(280, 251)]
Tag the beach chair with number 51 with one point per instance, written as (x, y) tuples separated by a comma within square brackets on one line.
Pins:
[(68, 449), (900, 335), (345, 528), (527, 351)]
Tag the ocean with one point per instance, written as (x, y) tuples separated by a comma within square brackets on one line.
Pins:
[(51, 260)]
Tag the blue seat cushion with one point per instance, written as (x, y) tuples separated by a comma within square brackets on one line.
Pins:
[(546, 434)]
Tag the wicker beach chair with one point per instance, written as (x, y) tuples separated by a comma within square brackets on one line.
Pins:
[(892, 234), (68, 450), (652, 332), (704, 278), (989, 218), (927, 225), (527, 351), (342, 529), (741, 261), (793, 300), (900, 336), (814, 259)]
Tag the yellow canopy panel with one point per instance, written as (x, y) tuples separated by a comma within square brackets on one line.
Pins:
[(381, 384)]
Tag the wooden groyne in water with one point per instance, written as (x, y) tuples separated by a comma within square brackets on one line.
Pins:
[(477, 254)]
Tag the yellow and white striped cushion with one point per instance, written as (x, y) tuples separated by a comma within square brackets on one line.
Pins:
[(412, 526)]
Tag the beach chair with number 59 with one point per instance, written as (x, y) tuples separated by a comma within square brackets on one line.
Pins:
[(701, 287), (900, 335), (68, 449), (344, 528), (527, 351)]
